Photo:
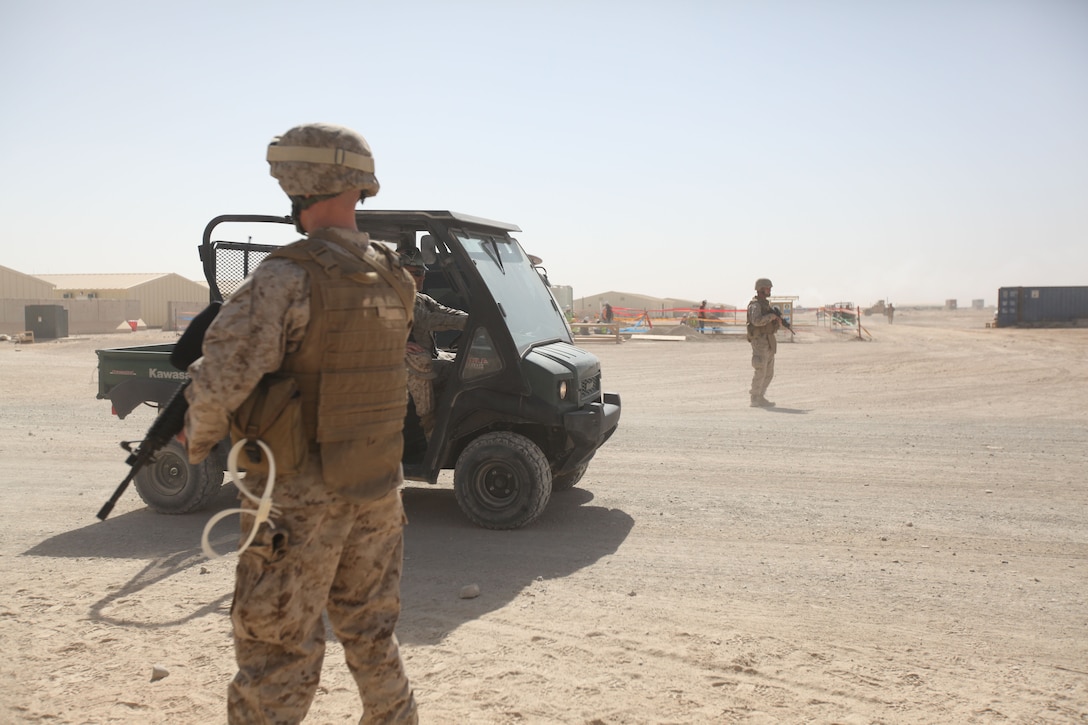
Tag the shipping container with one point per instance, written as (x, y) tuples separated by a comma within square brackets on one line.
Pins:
[(1042, 306), (47, 322)]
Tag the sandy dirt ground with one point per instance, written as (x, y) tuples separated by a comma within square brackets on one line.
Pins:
[(904, 539)]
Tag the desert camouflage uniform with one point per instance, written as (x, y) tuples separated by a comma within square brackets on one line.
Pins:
[(325, 553), (430, 316), (762, 326)]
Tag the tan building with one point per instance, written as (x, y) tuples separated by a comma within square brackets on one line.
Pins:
[(17, 290), (16, 285), (657, 307), (158, 294)]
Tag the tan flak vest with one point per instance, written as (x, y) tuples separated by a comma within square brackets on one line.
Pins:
[(768, 330), (350, 366)]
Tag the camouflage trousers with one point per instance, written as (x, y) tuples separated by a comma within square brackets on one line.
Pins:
[(343, 558), (421, 375), (424, 373), (763, 350)]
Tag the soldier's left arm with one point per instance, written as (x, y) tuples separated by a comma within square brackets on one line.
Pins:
[(260, 322)]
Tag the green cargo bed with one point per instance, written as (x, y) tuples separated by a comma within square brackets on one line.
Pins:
[(142, 362)]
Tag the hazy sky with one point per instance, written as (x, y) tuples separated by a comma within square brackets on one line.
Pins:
[(849, 149)]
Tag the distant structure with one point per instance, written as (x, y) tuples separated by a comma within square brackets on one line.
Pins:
[(564, 296), (950, 304), (978, 304), (877, 308), (1042, 307), (657, 307), (97, 303), (154, 291)]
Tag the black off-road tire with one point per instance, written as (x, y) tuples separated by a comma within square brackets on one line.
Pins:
[(170, 485), (502, 480), (569, 480)]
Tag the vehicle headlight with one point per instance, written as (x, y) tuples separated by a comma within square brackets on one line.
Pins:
[(562, 389)]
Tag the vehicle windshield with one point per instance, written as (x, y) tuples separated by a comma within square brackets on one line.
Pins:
[(527, 305)]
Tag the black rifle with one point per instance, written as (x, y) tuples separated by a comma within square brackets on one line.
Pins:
[(778, 314), (172, 418)]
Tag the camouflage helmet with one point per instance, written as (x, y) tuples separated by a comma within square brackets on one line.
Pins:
[(322, 159), (763, 282)]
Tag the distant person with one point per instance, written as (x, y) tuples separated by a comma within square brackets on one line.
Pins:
[(702, 316), (427, 365), (607, 316), (763, 323), (890, 312)]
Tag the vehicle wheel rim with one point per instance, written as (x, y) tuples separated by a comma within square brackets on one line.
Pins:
[(170, 475), (496, 486)]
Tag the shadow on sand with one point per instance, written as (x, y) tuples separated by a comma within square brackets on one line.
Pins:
[(170, 544), (443, 552)]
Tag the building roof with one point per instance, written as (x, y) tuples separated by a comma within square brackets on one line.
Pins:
[(17, 273), (17, 285), (101, 281)]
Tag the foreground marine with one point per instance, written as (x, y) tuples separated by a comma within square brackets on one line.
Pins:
[(307, 357)]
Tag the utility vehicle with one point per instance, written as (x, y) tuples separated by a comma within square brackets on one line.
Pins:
[(519, 416)]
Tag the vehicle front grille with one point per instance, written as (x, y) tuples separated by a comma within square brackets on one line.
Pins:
[(590, 389)]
